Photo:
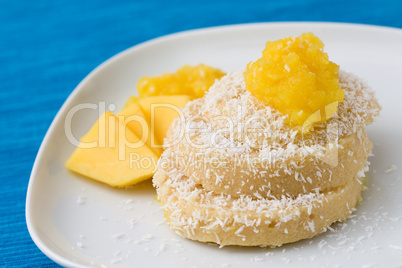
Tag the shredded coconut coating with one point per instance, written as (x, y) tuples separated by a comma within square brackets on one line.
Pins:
[(229, 97), (241, 146), (217, 129), (201, 215)]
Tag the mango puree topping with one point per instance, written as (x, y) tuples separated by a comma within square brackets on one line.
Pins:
[(188, 80), (295, 76)]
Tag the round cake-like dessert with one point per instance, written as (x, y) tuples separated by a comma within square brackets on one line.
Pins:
[(235, 173)]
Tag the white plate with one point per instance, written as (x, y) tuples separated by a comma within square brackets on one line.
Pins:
[(78, 222)]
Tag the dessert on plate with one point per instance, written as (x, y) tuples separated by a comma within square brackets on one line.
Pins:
[(272, 154)]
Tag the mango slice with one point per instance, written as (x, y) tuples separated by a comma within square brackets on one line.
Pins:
[(130, 100), (160, 111), (134, 118), (111, 153)]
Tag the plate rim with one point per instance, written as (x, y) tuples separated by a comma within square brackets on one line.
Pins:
[(61, 260)]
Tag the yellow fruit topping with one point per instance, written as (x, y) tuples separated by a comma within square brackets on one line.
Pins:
[(295, 76), (188, 80)]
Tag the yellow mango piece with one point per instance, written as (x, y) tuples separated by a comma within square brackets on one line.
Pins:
[(160, 111), (296, 77), (134, 118), (193, 81), (130, 100), (111, 153)]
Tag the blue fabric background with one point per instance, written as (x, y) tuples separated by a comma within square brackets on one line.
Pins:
[(48, 47)]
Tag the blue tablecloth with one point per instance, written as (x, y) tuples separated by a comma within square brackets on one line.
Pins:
[(47, 47)]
